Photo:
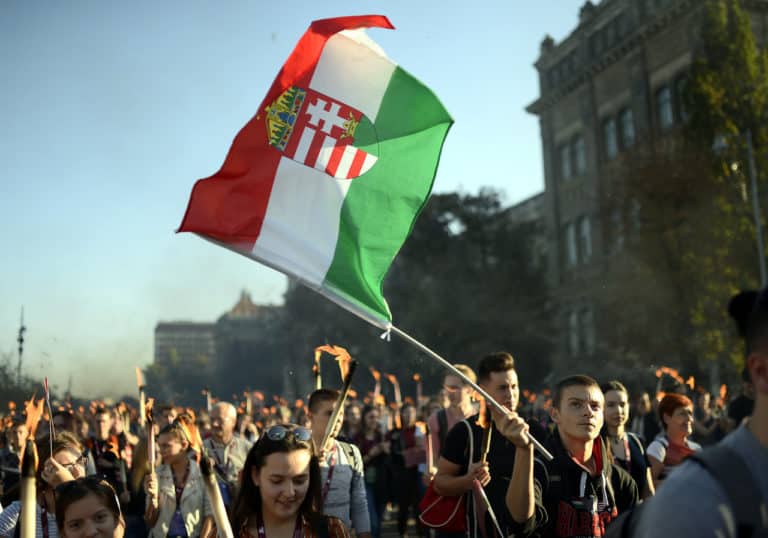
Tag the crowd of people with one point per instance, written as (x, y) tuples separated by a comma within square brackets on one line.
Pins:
[(622, 463)]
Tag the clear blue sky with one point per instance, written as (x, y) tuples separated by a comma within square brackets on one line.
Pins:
[(109, 111)]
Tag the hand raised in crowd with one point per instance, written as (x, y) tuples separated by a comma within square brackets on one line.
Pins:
[(55, 473), (150, 485), (429, 476), (479, 471), (515, 429)]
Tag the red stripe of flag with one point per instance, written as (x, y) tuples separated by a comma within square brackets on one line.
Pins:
[(357, 164), (230, 206), (333, 164)]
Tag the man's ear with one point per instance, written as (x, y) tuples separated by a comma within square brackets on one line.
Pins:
[(757, 363), (554, 414)]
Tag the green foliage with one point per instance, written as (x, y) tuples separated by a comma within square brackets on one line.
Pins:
[(695, 246)]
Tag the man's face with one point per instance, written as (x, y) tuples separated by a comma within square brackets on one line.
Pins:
[(222, 424), (320, 417), (61, 423), (117, 421), (19, 437), (704, 400), (502, 386), (455, 390), (580, 413), (408, 416), (167, 416), (103, 423), (643, 404)]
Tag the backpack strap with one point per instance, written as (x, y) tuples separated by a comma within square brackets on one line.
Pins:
[(635, 440), (442, 426), (733, 475)]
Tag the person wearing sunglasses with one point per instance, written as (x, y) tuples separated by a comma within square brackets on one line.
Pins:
[(177, 505), (66, 464), (280, 491), (88, 508)]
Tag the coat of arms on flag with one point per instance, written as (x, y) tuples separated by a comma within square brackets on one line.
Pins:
[(318, 131), (340, 109)]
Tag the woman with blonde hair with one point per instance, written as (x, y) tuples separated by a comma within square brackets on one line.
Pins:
[(176, 501)]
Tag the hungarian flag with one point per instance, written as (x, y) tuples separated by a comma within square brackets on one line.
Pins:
[(325, 182)]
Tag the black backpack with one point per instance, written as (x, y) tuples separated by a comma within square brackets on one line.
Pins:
[(733, 475)]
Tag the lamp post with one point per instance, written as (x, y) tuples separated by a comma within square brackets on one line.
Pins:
[(756, 208)]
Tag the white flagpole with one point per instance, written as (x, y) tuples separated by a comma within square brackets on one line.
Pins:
[(405, 336)]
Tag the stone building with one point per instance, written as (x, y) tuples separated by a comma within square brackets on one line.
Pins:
[(609, 88)]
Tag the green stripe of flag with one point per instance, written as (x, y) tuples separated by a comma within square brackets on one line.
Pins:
[(382, 205)]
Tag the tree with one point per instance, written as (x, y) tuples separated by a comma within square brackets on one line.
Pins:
[(690, 235)]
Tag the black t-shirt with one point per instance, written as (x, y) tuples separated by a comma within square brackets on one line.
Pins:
[(501, 461), (740, 408)]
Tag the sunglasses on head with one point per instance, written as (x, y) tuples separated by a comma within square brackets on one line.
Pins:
[(281, 431)]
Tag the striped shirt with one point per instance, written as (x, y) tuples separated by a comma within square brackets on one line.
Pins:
[(10, 516)]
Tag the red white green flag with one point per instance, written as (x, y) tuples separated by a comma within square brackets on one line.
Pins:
[(325, 182)]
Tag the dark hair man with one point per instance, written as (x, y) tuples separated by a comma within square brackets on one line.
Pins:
[(580, 490), (507, 476), (104, 449), (341, 467), (16, 436), (694, 503)]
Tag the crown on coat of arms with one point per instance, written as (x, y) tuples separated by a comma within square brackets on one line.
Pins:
[(281, 116)]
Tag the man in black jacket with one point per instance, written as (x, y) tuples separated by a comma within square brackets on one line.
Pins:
[(579, 492)]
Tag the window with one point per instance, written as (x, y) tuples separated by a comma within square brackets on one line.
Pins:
[(579, 155), (573, 333), (627, 121), (680, 84), (664, 107), (635, 214), (609, 138), (571, 250), (617, 229), (565, 163), (587, 330), (585, 239)]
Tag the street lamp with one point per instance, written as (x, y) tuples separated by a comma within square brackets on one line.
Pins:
[(719, 145), (756, 207)]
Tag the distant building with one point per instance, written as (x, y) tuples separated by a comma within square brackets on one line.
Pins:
[(610, 87), (238, 338), (184, 342)]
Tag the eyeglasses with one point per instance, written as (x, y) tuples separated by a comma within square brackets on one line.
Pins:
[(451, 388), (281, 431), (79, 462)]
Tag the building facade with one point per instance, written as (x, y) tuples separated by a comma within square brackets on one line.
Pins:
[(612, 86), (184, 342)]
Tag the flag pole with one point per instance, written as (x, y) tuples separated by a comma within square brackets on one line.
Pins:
[(376, 322), (454, 371)]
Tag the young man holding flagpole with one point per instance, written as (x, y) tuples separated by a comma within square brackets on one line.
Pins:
[(507, 475), (341, 466)]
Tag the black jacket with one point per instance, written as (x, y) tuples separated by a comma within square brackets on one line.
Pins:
[(572, 503)]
